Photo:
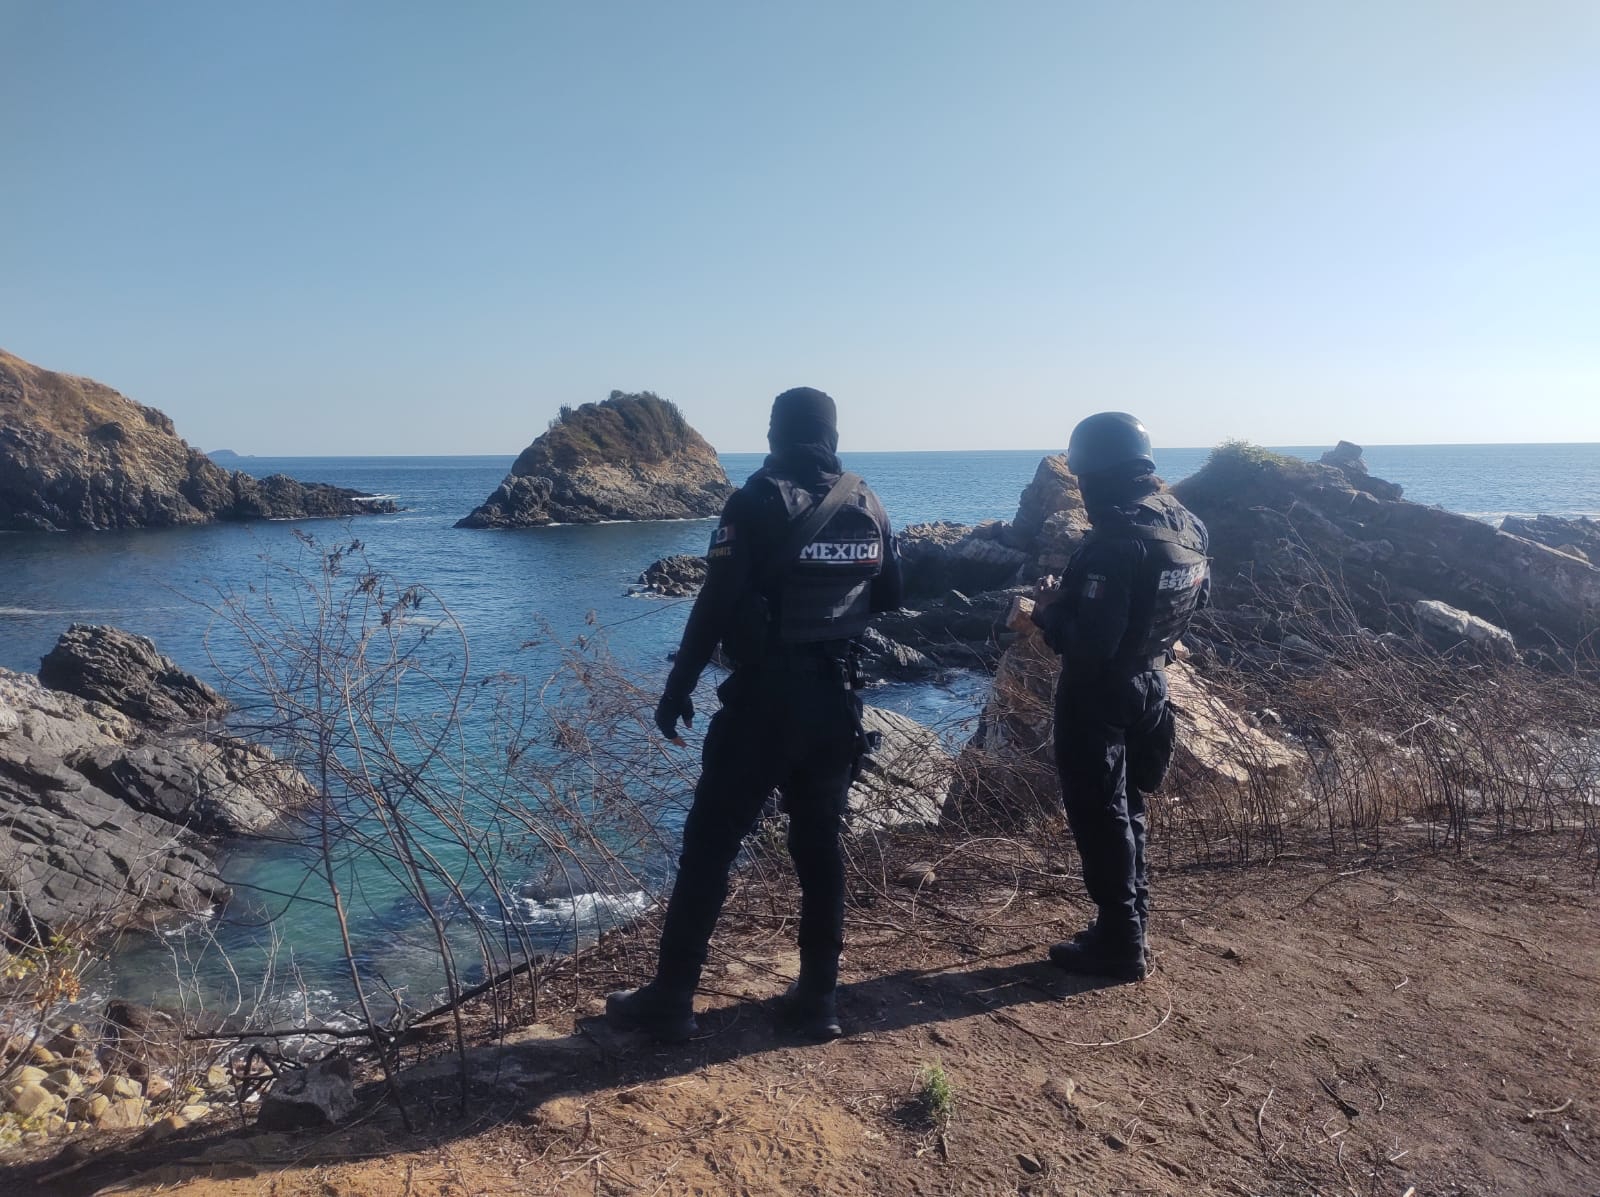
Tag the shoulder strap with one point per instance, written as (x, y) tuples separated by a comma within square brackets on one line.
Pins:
[(838, 494)]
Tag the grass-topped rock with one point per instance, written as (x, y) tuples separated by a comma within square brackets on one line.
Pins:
[(630, 457), (76, 454)]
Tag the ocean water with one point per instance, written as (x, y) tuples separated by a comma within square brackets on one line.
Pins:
[(553, 585)]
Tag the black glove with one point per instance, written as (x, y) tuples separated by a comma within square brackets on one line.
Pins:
[(669, 710)]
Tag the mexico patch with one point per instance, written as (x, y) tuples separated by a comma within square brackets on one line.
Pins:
[(844, 552), (1095, 586)]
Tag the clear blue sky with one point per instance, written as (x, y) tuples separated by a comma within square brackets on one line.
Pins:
[(400, 227)]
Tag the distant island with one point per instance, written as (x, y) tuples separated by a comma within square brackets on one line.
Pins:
[(228, 455), (75, 454), (629, 457)]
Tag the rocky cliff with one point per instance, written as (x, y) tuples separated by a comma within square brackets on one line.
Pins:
[(76, 454), (110, 797), (1286, 531), (631, 457)]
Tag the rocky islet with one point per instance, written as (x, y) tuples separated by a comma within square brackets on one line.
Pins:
[(628, 457)]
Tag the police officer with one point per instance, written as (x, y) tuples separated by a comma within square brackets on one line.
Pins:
[(785, 614), (1125, 599)]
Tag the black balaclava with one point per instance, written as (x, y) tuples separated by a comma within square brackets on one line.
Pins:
[(804, 432), (1111, 490)]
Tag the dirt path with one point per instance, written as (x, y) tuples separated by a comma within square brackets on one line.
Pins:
[(1426, 1026)]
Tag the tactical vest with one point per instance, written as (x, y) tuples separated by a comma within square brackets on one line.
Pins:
[(1166, 587), (825, 593)]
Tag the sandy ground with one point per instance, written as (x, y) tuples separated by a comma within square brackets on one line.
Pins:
[(1426, 1025)]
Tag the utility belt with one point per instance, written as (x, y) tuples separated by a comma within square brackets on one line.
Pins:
[(1118, 667), (828, 660)]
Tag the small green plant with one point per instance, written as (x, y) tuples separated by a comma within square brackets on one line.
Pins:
[(935, 1094)]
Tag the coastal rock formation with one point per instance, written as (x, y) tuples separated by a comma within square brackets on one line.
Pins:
[(630, 457), (76, 454), (1575, 537), (1005, 775), (106, 816), (125, 671), (678, 576), (1288, 534), (1049, 523), (941, 557)]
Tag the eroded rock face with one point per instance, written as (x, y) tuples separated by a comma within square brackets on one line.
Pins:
[(905, 780), (125, 671), (111, 814), (940, 557), (631, 457), (1283, 529), (1575, 537), (76, 454), (68, 849)]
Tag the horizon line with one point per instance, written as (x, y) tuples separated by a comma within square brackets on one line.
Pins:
[(1364, 445)]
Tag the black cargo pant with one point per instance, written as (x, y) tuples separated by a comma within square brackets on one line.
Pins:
[(791, 730), (1114, 737)]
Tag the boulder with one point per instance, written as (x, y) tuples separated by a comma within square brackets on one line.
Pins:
[(884, 659), (905, 779), (1452, 631), (679, 576), (124, 671), (31, 1101), (1005, 775), (630, 457), (123, 1113), (76, 454), (940, 557), (1284, 531), (319, 1094), (1052, 492)]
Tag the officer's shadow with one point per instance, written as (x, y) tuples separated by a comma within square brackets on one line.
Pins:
[(597, 1055)]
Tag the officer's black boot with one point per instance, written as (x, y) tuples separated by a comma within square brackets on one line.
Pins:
[(665, 1012), (810, 1007), (813, 1014), (1095, 952)]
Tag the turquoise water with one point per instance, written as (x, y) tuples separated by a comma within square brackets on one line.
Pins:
[(549, 586)]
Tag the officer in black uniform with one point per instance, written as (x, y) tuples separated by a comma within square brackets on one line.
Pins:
[(1126, 598), (785, 615)]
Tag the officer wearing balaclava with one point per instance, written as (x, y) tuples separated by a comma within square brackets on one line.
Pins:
[(785, 614), (1123, 603)]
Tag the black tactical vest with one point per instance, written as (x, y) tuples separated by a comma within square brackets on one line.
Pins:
[(825, 593), (1167, 584)]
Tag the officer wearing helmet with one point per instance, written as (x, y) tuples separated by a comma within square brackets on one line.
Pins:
[(1124, 601), (802, 557)]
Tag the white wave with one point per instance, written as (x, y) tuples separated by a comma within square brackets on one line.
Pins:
[(583, 910)]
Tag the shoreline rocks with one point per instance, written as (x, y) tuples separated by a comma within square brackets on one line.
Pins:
[(75, 454), (1285, 532), (108, 813), (630, 457)]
